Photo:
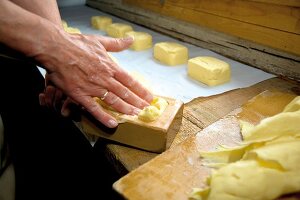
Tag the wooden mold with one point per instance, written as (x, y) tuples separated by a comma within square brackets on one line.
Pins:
[(155, 136)]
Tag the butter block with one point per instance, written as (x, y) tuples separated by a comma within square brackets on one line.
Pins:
[(154, 136), (118, 30), (142, 40), (209, 70), (152, 112), (170, 53), (72, 30), (100, 22)]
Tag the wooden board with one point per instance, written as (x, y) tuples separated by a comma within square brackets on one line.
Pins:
[(173, 174), (269, 24)]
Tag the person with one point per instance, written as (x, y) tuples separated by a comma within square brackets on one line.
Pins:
[(50, 156)]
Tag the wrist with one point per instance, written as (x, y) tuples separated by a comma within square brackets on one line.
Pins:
[(48, 44)]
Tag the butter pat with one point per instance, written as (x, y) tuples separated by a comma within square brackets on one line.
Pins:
[(209, 70), (72, 30), (152, 112), (118, 30), (100, 22), (170, 53), (142, 40)]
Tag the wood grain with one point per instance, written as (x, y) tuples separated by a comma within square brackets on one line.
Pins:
[(294, 3), (256, 13), (268, 24)]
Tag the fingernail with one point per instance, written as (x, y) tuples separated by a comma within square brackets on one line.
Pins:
[(129, 38), (112, 123), (136, 111), (41, 101), (65, 112), (149, 98)]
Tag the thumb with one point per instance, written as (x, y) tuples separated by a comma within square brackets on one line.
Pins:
[(116, 44)]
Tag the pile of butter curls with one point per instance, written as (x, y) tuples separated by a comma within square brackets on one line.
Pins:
[(265, 166)]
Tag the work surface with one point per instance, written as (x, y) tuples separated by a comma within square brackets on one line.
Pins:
[(174, 173), (201, 109), (204, 107), (198, 114)]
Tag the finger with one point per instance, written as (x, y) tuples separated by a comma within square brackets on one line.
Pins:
[(126, 94), (116, 44), (58, 99), (65, 110), (49, 96), (120, 105), (47, 80), (136, 87), (96, 110), (42, 99)]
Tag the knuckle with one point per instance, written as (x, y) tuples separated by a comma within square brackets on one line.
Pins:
[(93, 108), (113, 100)]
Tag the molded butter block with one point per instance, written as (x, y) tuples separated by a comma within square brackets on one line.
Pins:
[(118, 30), (209, 70), (72, 30), (142, 40), (154, 136), (171, 53), (100, 22)]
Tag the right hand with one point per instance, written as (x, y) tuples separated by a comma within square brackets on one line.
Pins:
[(80, 66)]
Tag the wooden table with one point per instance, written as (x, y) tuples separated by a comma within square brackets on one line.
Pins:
[(197, 114)]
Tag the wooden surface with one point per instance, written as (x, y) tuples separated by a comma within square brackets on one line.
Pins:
[(197, 115), (173, 174), (278, 24), (269, 24), (294, 3)]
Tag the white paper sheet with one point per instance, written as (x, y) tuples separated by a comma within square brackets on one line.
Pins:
[(171, 81)]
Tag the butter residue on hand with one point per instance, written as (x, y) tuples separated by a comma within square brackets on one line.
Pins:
[(154, 110), (70, 29), (264, 167)]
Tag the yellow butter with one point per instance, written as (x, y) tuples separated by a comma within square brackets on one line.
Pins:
[(142, 40), (209, 70), (118, 30), (282, 124), (246, 127), (152, 112), (170, 53), (72, 30), (244, 180), (100, 22), (64, 23), (265, 167), (293, 105)]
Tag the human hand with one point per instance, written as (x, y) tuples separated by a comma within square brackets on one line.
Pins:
[(80, 66)]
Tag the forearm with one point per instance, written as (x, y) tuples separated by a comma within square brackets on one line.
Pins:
[(47, 9), (25, 31)]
